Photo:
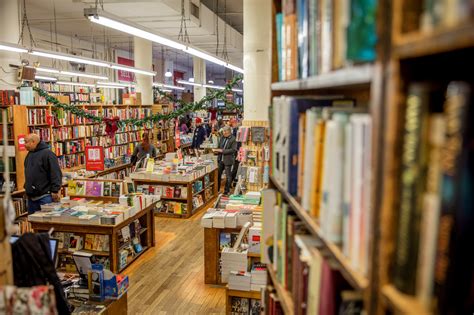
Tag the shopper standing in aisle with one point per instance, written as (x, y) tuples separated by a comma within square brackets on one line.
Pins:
[(227, 151), (199, 136), (142, 149), (43, 177), (234, 123)]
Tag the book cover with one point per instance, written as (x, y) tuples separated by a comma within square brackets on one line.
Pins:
[(317, 169), (279, 27), (311, 116), (362, 32), (269, 201), (239, 306), (71, 187), (224, 240), (116, 189), (255, 307), (107, 189), (94, 188), (341, 22), (326, 35), (303, 42), (80, 188), (412, 172), (347, 190), (89, 241), (301, 152)]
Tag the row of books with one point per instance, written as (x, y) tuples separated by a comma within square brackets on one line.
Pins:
[(299, 261), (8, 112), (126, 113), (119, 150), (39, 116), (198, 201), (20, 207), (95, 188), (255, 134), (244, 306), (173, 207), (22, 226), (65, 133), (318, 36), (66, 118), (9, 97), (9, 132), (11, 163), (434, 207), (177, 191), (53, 87), (198, 186), (73, 160), (68, 147), (79, 98), (440, 13)]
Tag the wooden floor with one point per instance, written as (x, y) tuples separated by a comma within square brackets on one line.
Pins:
[(169, 278)]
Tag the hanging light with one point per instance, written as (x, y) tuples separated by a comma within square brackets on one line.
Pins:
[(43, 78), (210, 82), (190, 80), (168, 74), (12, 47)]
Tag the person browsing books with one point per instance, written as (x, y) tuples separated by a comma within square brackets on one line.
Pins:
[(43, 177), (142, 149), (227, 151), (199, 135)]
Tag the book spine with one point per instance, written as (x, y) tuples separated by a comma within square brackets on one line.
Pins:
[(454, 261), (405, 269)]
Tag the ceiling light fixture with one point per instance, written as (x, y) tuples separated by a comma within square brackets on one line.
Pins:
[(189, 83), (168, 86), (110, 87), (210, 82), (47, 70), (74, 83), (42, 78), (168, 74), (103, 18), (214, 87), (61, 56), (115, 84), (82, 74), (132, 69), (191, 79), (12, 47)]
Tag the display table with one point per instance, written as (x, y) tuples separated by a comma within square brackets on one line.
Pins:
[(147, 235), (112, 307), (251, 295), (206, 194)]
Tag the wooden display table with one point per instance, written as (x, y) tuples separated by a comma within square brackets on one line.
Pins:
[(147, 234), (112, 307), (211, 187), (255, 295)]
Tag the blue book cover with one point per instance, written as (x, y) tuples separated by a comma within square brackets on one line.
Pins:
[(362, 32), (279, 25), (303, 46)]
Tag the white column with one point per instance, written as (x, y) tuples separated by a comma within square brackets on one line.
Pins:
[(9, 32), (199, 73), (257, 59), (143, 59)]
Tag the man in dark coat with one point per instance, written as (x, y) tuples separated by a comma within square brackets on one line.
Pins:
[(227, 151), (199, 135), (43, 177)]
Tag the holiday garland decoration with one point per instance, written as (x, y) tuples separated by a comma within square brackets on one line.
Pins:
[(112, 124)]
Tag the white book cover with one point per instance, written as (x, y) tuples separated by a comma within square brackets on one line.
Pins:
[(357, 182), (347, 190), (276, 137), (328, 176), (285, 144), (314, 282), (308, 179), (326, 36), (366, 190), (277, 223)]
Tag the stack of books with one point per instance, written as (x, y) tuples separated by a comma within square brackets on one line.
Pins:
[(259, 277), (239, 280), (232, 260)]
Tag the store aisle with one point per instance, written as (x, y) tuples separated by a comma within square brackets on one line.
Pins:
[(169, 279)]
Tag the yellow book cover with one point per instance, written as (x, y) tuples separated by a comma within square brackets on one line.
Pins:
[(71, 187), (318, 166), (301, 152), (89, 242), (177, 208)]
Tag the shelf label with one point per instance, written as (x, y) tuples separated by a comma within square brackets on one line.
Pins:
[(21, 143)]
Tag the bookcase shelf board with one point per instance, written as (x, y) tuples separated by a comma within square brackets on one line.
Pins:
[(440, 40), (244, 294), (286, 299), (355, 278), (355, 75), (401, 303), (145, 217)]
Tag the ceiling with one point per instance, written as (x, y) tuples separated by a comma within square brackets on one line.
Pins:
[(66, 17)]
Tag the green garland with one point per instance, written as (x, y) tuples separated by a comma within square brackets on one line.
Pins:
[(183, 109)]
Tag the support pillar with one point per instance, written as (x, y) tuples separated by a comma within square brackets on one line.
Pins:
[(199, 72), (143, 59), (10, 32), (257, 59)]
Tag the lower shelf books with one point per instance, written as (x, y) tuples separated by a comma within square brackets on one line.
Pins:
[(198, 201), (227, 239), (245, 306), (22, 226), (177, 191), (20, 207), (95, 188), (271, 302), (173, 207), (96, 242)]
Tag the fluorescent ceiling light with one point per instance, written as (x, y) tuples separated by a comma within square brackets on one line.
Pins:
[(235, 68), (205, 56), (110, 87), (12, 47), (74, 83), (132, 69), (168, 74), (166, 90), (217, 87), (85, 75), (47, 70), (42, 78), (191, 79), (168, 86), (237, 90), (189, 83), (115, 84), (133, 30), (210, 82), (61, 56)]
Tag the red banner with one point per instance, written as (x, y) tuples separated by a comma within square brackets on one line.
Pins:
[(21, 143), (95, 158), (125, 75), (177, 75)]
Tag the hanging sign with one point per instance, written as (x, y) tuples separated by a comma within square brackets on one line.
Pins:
[(94, 158), (21, 143), (123, 75)]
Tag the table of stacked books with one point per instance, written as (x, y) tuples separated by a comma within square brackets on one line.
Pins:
[(114, 245)]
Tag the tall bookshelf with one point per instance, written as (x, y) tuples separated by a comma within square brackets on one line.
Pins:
[(163, 131), (414, 45), (358, 80)]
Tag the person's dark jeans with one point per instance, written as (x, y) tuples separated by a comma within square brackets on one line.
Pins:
[(235, 168), (228, 175), (34, 206)]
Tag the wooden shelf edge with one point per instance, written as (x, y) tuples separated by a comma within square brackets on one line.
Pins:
[(285, 298), (402, 303), (354, 277), (244, 294), (350, 76), (418, 44)]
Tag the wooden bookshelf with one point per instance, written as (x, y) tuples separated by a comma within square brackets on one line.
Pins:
[(242, 294), (354, 277), (356, 75), (401, 303), (285, 297)]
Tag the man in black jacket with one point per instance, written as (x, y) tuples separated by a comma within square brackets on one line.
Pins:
[(227, 151), (43, 177)]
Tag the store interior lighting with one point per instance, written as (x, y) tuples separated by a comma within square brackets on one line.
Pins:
[(12, 47), (174, 87), (168, 74), (72, 73), (44, 78), (103, 18), (75, 83)]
